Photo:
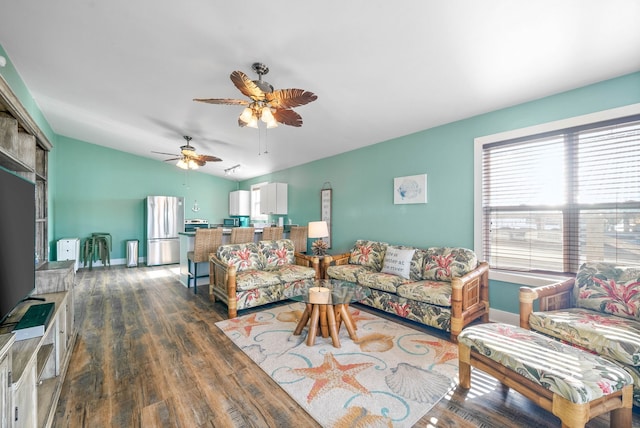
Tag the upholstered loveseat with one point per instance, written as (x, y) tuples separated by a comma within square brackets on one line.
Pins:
[(441, 287), (598, 310), (253, 274)]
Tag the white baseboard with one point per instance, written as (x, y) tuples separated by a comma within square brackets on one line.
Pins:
[(496, 315)]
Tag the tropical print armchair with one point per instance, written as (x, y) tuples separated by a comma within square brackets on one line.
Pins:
[(598, 311)]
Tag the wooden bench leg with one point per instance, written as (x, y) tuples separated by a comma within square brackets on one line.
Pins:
[(623, 417), (464, 365)]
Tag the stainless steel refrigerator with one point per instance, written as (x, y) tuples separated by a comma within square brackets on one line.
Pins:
[(165, 218)]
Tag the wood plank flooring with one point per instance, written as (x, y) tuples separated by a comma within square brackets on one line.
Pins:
[(149, 355)]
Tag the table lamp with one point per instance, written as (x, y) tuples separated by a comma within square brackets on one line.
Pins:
[(318, 229)]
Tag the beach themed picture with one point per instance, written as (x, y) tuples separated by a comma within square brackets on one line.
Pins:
[(411, 189)]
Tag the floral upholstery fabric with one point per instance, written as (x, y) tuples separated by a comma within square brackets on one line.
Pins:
[(242, 256), (380, 281), (443, 263), (424, 313), (277, 253), (347, 272), (609, 288), (368, 253), (263, 295), (545, 361), (254, 278), (432, 292), (291, 272), (604, 334)]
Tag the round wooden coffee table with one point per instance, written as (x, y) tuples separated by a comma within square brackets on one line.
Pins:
[(329, 314)]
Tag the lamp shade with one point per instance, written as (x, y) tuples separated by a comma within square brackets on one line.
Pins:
[(318, 229)]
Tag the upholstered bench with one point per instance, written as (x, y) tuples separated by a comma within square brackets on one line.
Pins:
[(573, 384)]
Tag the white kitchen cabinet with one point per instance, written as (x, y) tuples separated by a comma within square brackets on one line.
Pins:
[(273, 198), (240, 203)]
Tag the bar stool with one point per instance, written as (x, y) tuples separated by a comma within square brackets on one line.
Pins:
[(271, 233), (242, 235), (206, 243), (298, 235)]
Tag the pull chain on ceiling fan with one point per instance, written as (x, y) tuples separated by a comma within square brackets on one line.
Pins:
[(269, 105), (188, 158)]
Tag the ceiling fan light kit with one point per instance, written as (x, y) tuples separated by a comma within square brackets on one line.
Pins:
[(268, 105), (188, 158)]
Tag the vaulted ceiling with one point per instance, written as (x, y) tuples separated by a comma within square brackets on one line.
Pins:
[(123, 74)]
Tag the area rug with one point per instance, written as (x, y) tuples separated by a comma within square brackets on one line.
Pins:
[(392, 376)]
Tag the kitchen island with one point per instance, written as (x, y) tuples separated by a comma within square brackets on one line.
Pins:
[(187, 242)]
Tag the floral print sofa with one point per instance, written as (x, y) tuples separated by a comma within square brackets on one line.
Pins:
[(598, 310), (442, 287), (253, 274)]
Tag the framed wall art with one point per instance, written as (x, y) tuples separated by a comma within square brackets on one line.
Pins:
[(325, 211), (411, 189)]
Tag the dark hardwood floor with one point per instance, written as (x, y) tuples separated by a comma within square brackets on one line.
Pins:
[(149, 355)]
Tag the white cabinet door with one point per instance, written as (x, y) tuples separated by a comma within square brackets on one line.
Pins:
[(240, 203), (273, 198), (5, 391), (25, 399)]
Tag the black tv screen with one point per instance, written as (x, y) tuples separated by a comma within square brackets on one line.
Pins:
[(17, 240)]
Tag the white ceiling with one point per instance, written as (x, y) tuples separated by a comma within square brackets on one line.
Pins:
[(123, 73)]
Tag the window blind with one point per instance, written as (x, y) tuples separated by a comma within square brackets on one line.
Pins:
[(553, 201)]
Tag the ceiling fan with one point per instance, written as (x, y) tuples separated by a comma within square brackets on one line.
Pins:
[(188, 159), (269, 105)]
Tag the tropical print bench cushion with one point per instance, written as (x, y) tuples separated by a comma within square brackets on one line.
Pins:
[(604, 334), (609, 288), (572, 373), (444, 263)]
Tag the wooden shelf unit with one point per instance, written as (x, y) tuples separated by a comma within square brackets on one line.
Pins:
[(38, 365)]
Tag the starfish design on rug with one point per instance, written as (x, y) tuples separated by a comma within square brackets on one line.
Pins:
[(244, 324), (331, 374)]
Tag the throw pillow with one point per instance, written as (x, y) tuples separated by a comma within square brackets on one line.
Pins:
[(398, 262)]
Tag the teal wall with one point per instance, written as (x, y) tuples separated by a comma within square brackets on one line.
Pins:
[(362, 180), (103, 190)]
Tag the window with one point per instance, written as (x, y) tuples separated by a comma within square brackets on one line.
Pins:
[(255, 203), (551, 201)]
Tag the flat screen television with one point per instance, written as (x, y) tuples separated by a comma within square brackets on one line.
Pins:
[(17, 240)]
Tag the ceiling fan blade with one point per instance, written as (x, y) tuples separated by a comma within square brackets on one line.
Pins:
[(287, 117), (163, 153), (230, 101), (289, 98), (246, 86), (172, 159), (208, 158)]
